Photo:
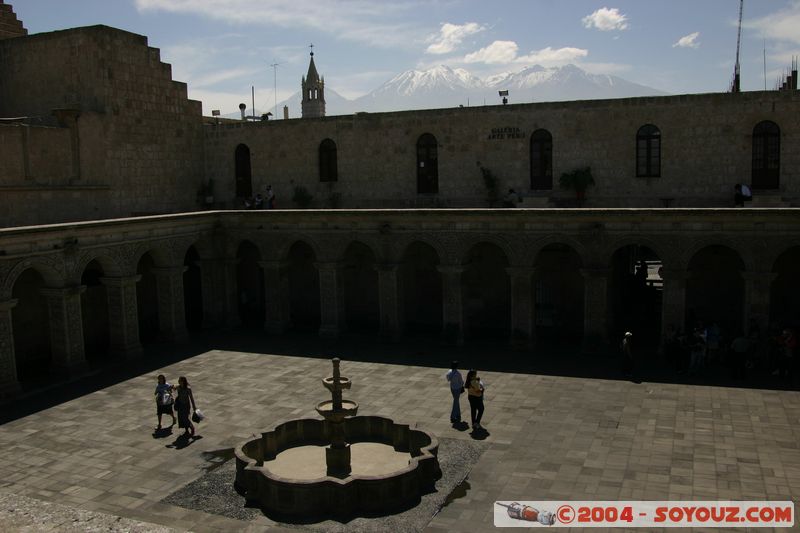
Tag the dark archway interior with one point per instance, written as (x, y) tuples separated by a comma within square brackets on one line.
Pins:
[(360, 278), (785, 291), (31, 327), (715, 291), (193, 290), (304, 305), (558, 294), (635, 294), (250, 285), (147, 300), (486, 293), (94, 310), (421, 290)]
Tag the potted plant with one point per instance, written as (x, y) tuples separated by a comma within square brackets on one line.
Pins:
[(490, 183), (579, 179), (301, 197), (206, 192)]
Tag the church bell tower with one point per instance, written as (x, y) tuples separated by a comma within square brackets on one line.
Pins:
[(313, 92)]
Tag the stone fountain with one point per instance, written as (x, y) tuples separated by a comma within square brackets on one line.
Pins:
[(371, 465)]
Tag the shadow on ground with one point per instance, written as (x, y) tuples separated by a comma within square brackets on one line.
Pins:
[(486, 355)]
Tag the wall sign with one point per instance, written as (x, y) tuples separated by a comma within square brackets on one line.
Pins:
[(506, 133)]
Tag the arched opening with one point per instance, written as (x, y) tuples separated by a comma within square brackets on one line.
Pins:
[(635, 294), (486, 292), (244, 174), (31, 327), (715, 291), (94, 313), (304, 304), (147, 300), (785, 291), (766, 155), (648, 152), (541, 160), (328, 165), (421, 290), (427, 164), (360, 277), (250, 285), (558, 295), (193, 290)]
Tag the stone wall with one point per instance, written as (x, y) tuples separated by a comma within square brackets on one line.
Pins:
[(706, 149), (135, 138), (10, 26)]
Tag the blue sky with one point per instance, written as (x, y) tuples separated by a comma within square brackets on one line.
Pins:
[(222, 47)]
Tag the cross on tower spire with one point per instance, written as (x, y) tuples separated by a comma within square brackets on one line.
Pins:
[(312, 49)]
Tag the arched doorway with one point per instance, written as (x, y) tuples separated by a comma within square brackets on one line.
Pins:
[(250, 285), (94, 311), (304, 304), (486, 292), (427, 164), (244, 174), (147, 300), (635, 294), (328, 166), (558, 295), (715, 290), (785, 291), (31, 327), (421, 290), (766, 155), (193, 290), (361, 297)]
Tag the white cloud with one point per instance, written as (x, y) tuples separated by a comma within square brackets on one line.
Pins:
[(549, 56), (781, 25), (688, 41), (497, 52), (375, 23), (450, 36), (505, 52), (605, 19)]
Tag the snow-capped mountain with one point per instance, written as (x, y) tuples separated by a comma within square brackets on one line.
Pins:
[(442, 86)]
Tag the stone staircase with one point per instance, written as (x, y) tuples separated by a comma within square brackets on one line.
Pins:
[(10, 26), (767, 199)]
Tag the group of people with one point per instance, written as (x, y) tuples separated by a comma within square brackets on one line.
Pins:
[(259, 201), (474, 387), (176, 399), (701, 347)]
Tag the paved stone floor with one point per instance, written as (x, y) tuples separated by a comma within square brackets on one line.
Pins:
[(550, 436)]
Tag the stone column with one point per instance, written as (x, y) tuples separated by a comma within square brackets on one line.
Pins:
[(230, 293), (673, 300), (452, 310), (171, 310), (521, 304), (595, 309), (66, 328), (389, 301), (331, 300), (220, 301), (276, 296), (757, 290), (123, 316), (9, 384)]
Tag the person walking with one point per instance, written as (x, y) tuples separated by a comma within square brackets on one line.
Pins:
[(628, 363), (475, 390), (456, 389), (184, 405), (164, 400)]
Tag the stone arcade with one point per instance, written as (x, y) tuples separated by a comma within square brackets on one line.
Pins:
[(103, 132)]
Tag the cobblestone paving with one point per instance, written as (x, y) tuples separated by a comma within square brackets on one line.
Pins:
[(549, 437)]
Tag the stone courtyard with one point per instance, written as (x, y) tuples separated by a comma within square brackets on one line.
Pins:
[(552, 434)]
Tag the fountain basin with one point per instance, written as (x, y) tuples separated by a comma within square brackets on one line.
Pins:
[(264, 479), (349, 408)]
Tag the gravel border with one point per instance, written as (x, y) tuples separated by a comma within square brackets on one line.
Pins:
[(214, 493), (21, 513)]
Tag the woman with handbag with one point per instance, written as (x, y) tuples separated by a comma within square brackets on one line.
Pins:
[(184, 404), (164, 400)]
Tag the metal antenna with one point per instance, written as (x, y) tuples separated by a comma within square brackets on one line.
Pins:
[(736, 79), (275, 79)]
